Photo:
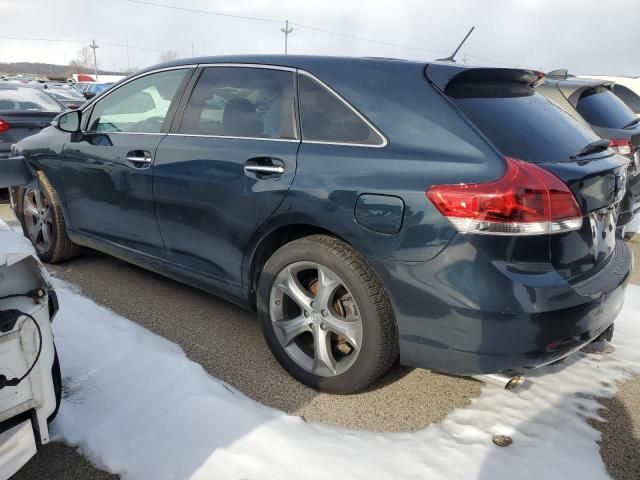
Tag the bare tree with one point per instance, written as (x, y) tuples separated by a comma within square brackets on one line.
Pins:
[(168, 56), (83, 61)]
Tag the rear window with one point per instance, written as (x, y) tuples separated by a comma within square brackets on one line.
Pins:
[(628, 97), (520, 122), (27, 99), (600, 107)]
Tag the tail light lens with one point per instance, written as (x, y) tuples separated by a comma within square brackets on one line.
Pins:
[(4, 126), (621, 146), (526, 200)]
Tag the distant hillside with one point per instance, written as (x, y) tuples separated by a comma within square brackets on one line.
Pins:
[(46, 69)]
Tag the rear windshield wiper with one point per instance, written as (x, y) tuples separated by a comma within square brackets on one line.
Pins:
[(632, 122), (593, 147)]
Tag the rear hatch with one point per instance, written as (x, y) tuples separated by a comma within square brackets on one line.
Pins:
[(24, 111), (521, 124), (609, 115)]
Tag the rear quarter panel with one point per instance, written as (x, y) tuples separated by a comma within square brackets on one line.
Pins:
[(429, 142)]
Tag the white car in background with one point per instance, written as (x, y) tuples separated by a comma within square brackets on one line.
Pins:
[(30, 377), (626, 88)]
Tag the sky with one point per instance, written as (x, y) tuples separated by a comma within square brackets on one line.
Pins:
[(586, 36)]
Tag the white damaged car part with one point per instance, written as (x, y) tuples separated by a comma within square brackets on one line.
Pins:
[(30, 380)]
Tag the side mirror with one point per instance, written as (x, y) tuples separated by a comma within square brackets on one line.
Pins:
[(68, 122)]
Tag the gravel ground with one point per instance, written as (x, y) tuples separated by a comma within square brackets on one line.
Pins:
[(227, 342), (620, 444)]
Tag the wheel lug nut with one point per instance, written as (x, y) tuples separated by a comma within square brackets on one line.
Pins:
[(306, 314), (277, 302), (323, 327), (313, 304), (325, 313)]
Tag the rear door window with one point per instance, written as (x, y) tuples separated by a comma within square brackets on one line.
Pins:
[(631, 99), (242, 102), (326, 118), (520, 122), (600, 107)]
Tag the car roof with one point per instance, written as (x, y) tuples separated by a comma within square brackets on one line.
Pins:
[(305, 62), (15, 86)]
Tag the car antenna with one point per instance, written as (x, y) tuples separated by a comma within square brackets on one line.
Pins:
[(451, 58)]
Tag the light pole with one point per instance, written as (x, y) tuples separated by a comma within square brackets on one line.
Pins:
[(286, 30), (93, 46)]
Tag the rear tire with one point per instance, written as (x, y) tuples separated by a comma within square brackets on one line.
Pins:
[(342, 311), (43, 223)]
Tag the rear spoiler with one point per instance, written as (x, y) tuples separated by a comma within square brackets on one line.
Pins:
[(573, 92), (441, 75)]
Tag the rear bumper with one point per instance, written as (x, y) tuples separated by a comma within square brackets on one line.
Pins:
[(465, 314)]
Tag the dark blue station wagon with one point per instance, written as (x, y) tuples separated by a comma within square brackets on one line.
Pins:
[(368, 209)]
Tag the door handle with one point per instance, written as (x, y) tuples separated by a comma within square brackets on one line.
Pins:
[(265, 169), (264, 166), (139, 158)]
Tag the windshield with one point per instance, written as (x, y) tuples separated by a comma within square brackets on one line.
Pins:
[(520, 122), (27, 99), (600, 107)]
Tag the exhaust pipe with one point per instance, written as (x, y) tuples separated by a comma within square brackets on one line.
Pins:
[(508, 382)]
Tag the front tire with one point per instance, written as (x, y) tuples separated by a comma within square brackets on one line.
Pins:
[(43, 223), (326, 316)]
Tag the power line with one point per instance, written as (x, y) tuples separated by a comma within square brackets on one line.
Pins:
[(363, 39), (59, 40), (272, 20), (207, 12)]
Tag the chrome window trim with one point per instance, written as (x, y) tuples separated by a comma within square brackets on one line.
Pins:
[(298, 126), (382, 137), (291, 140), (125, 82), (263, 66)]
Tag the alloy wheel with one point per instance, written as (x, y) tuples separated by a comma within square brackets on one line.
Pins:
[(315, 318), (38, 219)]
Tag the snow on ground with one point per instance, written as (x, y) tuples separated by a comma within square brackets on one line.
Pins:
[(136, 406), (634, 226)]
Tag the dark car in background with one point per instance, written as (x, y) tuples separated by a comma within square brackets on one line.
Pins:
[(66, 94), (24, 111), (593, 103), (363, 207)]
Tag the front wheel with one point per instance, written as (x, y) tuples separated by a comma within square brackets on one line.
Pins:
[(43, 223), (326, 316)]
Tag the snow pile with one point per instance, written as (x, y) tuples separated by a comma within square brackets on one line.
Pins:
[(136, 406)]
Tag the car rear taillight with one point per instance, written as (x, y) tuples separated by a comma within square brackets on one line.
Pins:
[(4, 126), (526, 200), (621, 146)]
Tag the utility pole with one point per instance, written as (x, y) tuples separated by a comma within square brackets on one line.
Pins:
[(286, 30), (192, 55), (94, 46), (128, 63)]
